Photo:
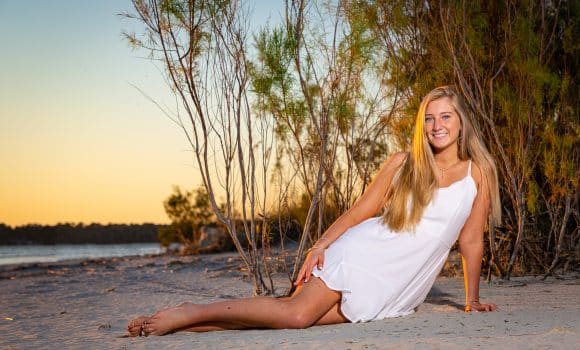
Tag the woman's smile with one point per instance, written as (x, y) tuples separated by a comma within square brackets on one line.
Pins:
[(442, 124)]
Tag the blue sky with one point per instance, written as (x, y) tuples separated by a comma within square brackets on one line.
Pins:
[(78, 142)]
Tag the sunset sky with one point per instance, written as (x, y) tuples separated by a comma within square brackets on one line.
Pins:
[(78, 142)]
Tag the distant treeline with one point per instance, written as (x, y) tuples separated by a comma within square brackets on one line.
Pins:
[(78, 234)]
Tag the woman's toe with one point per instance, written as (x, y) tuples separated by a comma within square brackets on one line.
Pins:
[(135, 325)]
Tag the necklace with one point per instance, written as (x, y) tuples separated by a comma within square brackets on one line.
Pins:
[(443, 170)]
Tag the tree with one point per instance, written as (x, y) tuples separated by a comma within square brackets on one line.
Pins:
[(202, 46), (335, 88), (511, 89), (516, 64), (318, 77), (188, 212)]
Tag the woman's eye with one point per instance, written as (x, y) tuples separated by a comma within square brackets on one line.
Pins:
[(428, 119), (446, 116)]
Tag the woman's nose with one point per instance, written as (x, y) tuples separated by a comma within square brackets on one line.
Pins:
[(436, 124)]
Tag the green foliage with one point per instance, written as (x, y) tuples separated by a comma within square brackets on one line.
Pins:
[(526, 67), (188, 211), (517, 59), (77, 233)]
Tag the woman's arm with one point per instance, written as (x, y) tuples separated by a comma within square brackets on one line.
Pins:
[(365, 207), (471, 244)]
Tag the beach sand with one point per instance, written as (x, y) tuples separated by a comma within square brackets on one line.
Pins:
[(87, 304)]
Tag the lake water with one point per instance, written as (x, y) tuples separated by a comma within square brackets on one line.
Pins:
[(52, 253)]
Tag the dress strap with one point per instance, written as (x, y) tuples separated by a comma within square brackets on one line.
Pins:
[(469, 168)]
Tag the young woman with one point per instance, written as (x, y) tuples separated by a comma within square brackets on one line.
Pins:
[(367, 268)]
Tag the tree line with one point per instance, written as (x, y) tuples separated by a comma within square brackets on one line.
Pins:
[(301, 114), (68, 233)]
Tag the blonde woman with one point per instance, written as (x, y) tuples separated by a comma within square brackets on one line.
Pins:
[(367, 268)]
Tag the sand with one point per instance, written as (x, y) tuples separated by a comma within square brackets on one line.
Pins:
[(87, 304)]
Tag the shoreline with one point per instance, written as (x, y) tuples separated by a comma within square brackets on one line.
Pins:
[(31, 254), (84, 303)]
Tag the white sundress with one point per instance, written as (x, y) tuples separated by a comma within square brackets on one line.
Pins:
[(382, 273)]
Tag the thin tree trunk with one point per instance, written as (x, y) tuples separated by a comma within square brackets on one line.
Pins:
[(493, 251), (521, 217), (567, 211)]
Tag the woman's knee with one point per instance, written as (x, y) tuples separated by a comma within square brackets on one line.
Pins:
[(309, 304), (299, 316), (300, 320)]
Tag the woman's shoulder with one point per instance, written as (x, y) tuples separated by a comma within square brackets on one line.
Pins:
[(397, 158), (390, 167), (393, 162), (477, 173)]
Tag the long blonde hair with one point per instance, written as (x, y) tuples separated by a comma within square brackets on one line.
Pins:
[(415, 182)]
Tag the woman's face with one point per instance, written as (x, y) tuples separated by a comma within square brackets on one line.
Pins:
[(442, 124)]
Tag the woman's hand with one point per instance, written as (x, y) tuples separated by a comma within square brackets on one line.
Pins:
[(476, 306), (314, 258)]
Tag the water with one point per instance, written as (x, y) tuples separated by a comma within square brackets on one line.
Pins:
[(52, 253)]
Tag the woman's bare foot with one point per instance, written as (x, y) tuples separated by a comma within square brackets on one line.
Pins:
[(169, 320), (134, 326)]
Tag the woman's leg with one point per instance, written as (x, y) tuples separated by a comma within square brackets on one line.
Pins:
[(333, 316), (135, 325), (313, 303)]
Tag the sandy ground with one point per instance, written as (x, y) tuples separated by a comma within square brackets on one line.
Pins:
[(86, 305)]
